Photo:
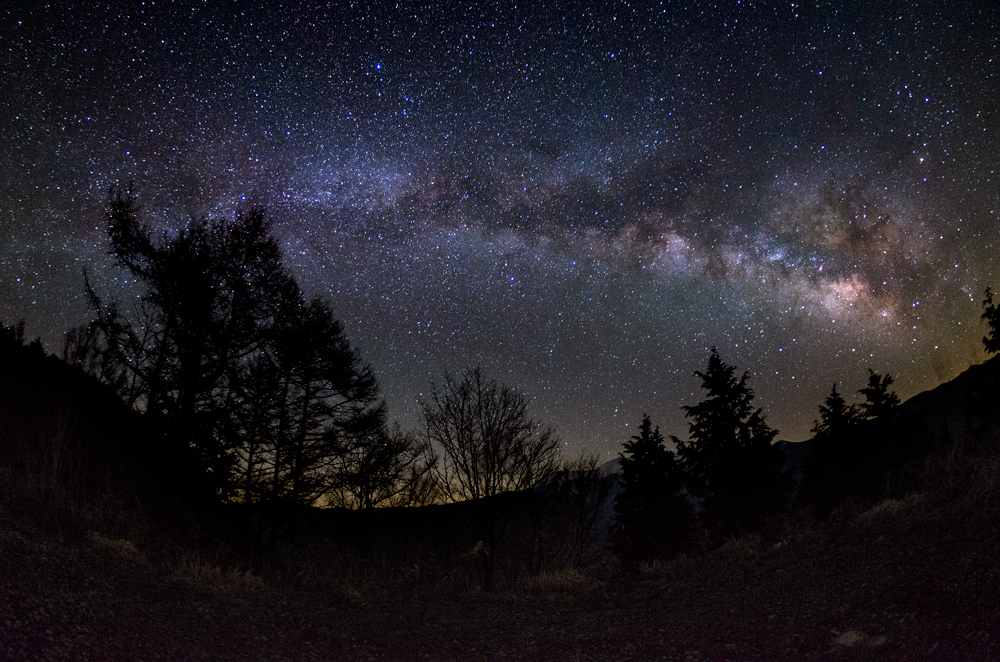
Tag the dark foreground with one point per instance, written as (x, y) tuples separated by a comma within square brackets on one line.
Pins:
[(911, 580)]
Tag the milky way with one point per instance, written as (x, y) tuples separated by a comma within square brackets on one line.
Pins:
[(583, 202)]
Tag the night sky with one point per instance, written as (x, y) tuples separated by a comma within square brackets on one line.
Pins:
[(583, 202)]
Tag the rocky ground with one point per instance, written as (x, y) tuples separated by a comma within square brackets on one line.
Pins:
[(911, 580)]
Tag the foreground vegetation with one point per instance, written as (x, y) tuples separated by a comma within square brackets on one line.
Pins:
[(907, 579)]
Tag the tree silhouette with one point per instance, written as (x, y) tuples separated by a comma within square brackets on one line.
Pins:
[(829, 462), (654, 518), (584, 490), (991, 341), (489, 446), (879, 450), (854, 447), (327, 397), (836, 416), (729, 459), (227, 355), (879, 400), (383, 466)]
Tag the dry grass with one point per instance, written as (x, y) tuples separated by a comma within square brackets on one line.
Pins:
[(807, 592), (680, 566), (116, 547), (374, 580), (29, 503), (231, 582), (890, 512), (803, 589), (565, 581)]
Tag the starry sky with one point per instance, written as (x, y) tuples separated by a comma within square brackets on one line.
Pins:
[(581, 201)]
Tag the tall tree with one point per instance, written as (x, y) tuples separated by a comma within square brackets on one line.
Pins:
[(489, 446), (654, 518), (854, 450), (212, 292), (329, 400), (225, 351), (991, 341), (879, 450), (835, 415), (829, 464), (729, 459)]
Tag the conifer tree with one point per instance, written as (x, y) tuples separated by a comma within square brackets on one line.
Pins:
[(835, 415), (854, 448), (829, 463), (228, 357), (729, 459), (654, 518), (991, 313), (879, 451), (879, 400)]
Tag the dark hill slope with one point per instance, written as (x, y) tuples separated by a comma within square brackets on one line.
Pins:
[(62, 429), (964, 412), (958, 419)]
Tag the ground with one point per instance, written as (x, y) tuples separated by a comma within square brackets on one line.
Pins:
[(910, 580)]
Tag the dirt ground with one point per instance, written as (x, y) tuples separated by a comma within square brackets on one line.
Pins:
[(889, 585)]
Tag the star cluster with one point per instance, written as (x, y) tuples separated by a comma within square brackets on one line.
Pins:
[(582, 201)]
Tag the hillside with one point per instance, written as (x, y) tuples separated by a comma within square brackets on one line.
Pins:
[(961, 412)]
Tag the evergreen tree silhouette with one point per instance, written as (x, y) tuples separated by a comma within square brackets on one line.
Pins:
[(654, 518), (828, 467), (879, 450), (879, 400), (729, 460), (991, 341), (854, 449)]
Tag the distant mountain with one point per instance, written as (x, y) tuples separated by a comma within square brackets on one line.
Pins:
[(611, 467)]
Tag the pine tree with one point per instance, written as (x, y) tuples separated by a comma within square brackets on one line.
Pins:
[(730, 460), (991, 341), (879, 400), (878, 450), (836, 416), (854, 448), (654, 518), (829, 463)]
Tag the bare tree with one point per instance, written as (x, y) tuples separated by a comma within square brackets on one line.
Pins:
[(383, 466), (587, 491), (489, 446), (567, 517)]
